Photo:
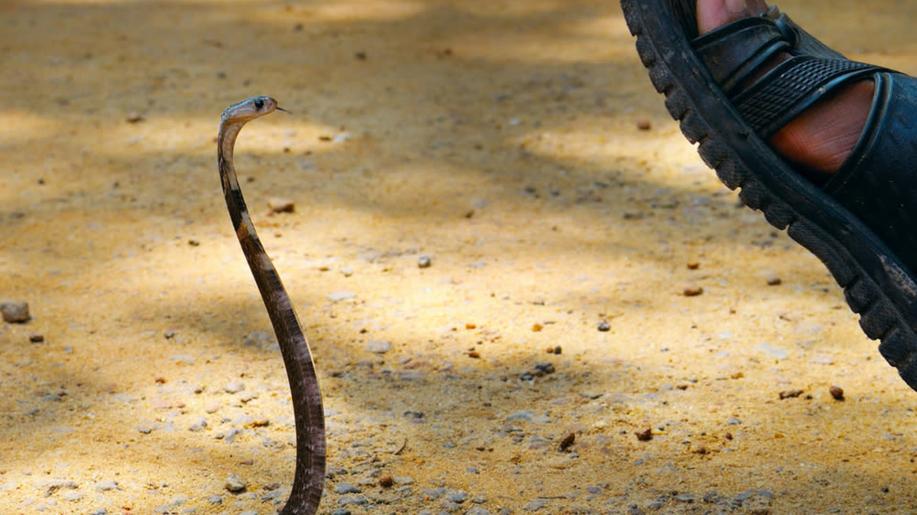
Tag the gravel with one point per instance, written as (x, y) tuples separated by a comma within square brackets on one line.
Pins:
[(15, 312), (281, 205), (234, 387), (234, 484), (378, 346), (346, 488)]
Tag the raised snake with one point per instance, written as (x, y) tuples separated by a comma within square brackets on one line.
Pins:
[(307, 397)]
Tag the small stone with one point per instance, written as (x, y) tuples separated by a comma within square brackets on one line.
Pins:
[(198, 425), (536, 328), (645, 436), (693, 291), (105, 486), (134, 117), (168, 335), (773, 280), (346, 488), (773, 351), (37, 338), (378, 346), (72, 496), (567, 442), (215, 499), (281, 205), (54, 485), (234, 484), (457, 496), (339, 296), (474, 354), (604, 327), (790, 394), (341, 511), (358, 500), (644, 124), (424, 262), (234, 387), (693, 265), (525, 416), (15, 312), (837, 392), (535, 505), (544, 368), (145, 428)]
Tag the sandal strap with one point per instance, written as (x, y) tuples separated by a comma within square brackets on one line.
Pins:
[(806, 44), (734, 52), (878, 183), (792, 87)]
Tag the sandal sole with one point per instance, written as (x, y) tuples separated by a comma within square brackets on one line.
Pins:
[(875, 284)]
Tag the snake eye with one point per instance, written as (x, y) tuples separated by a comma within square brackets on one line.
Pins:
[(259, 103)]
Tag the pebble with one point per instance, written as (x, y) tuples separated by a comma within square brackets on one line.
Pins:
[(346, 488), (215, 499), (433, 493), (105, 486), (544, 368), (378, 346), (567, 442), (234, 484), (773, 279), (604, 326), (234, 387), (341, 511), (37, 338), (281, 205), (134, 117), (644, 124), (837, 392), (424, 262), (358, 500), (790, 394), (386, 481), (772, 351), (145, 428), (15, 312), (198, 425), (535, 505), (338, 296), (58, 484), (477, 510), (693, 291), (457, 496), (72, 496), (645, 436)]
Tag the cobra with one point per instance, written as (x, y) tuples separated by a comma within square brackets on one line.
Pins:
[(297, 358)]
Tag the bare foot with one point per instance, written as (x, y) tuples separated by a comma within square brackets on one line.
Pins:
[(821, 138)]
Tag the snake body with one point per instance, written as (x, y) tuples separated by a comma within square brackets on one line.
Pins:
[(307, 398)]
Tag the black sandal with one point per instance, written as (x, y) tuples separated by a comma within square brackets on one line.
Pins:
[(863, 222)]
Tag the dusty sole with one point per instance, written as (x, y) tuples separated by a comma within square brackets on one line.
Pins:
[(876, 285)]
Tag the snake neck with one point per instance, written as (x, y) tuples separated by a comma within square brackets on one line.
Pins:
[(226, 143)]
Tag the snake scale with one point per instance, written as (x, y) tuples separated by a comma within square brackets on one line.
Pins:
[(307, 398)]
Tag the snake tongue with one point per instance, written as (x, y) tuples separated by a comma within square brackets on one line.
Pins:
[(283, 110)]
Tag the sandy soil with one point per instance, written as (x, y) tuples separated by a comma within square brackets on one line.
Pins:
[(497, 137)]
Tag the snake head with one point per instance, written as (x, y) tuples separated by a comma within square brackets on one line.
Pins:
[(249, 109)]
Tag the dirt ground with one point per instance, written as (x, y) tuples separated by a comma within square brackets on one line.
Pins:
[(500, 139)]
